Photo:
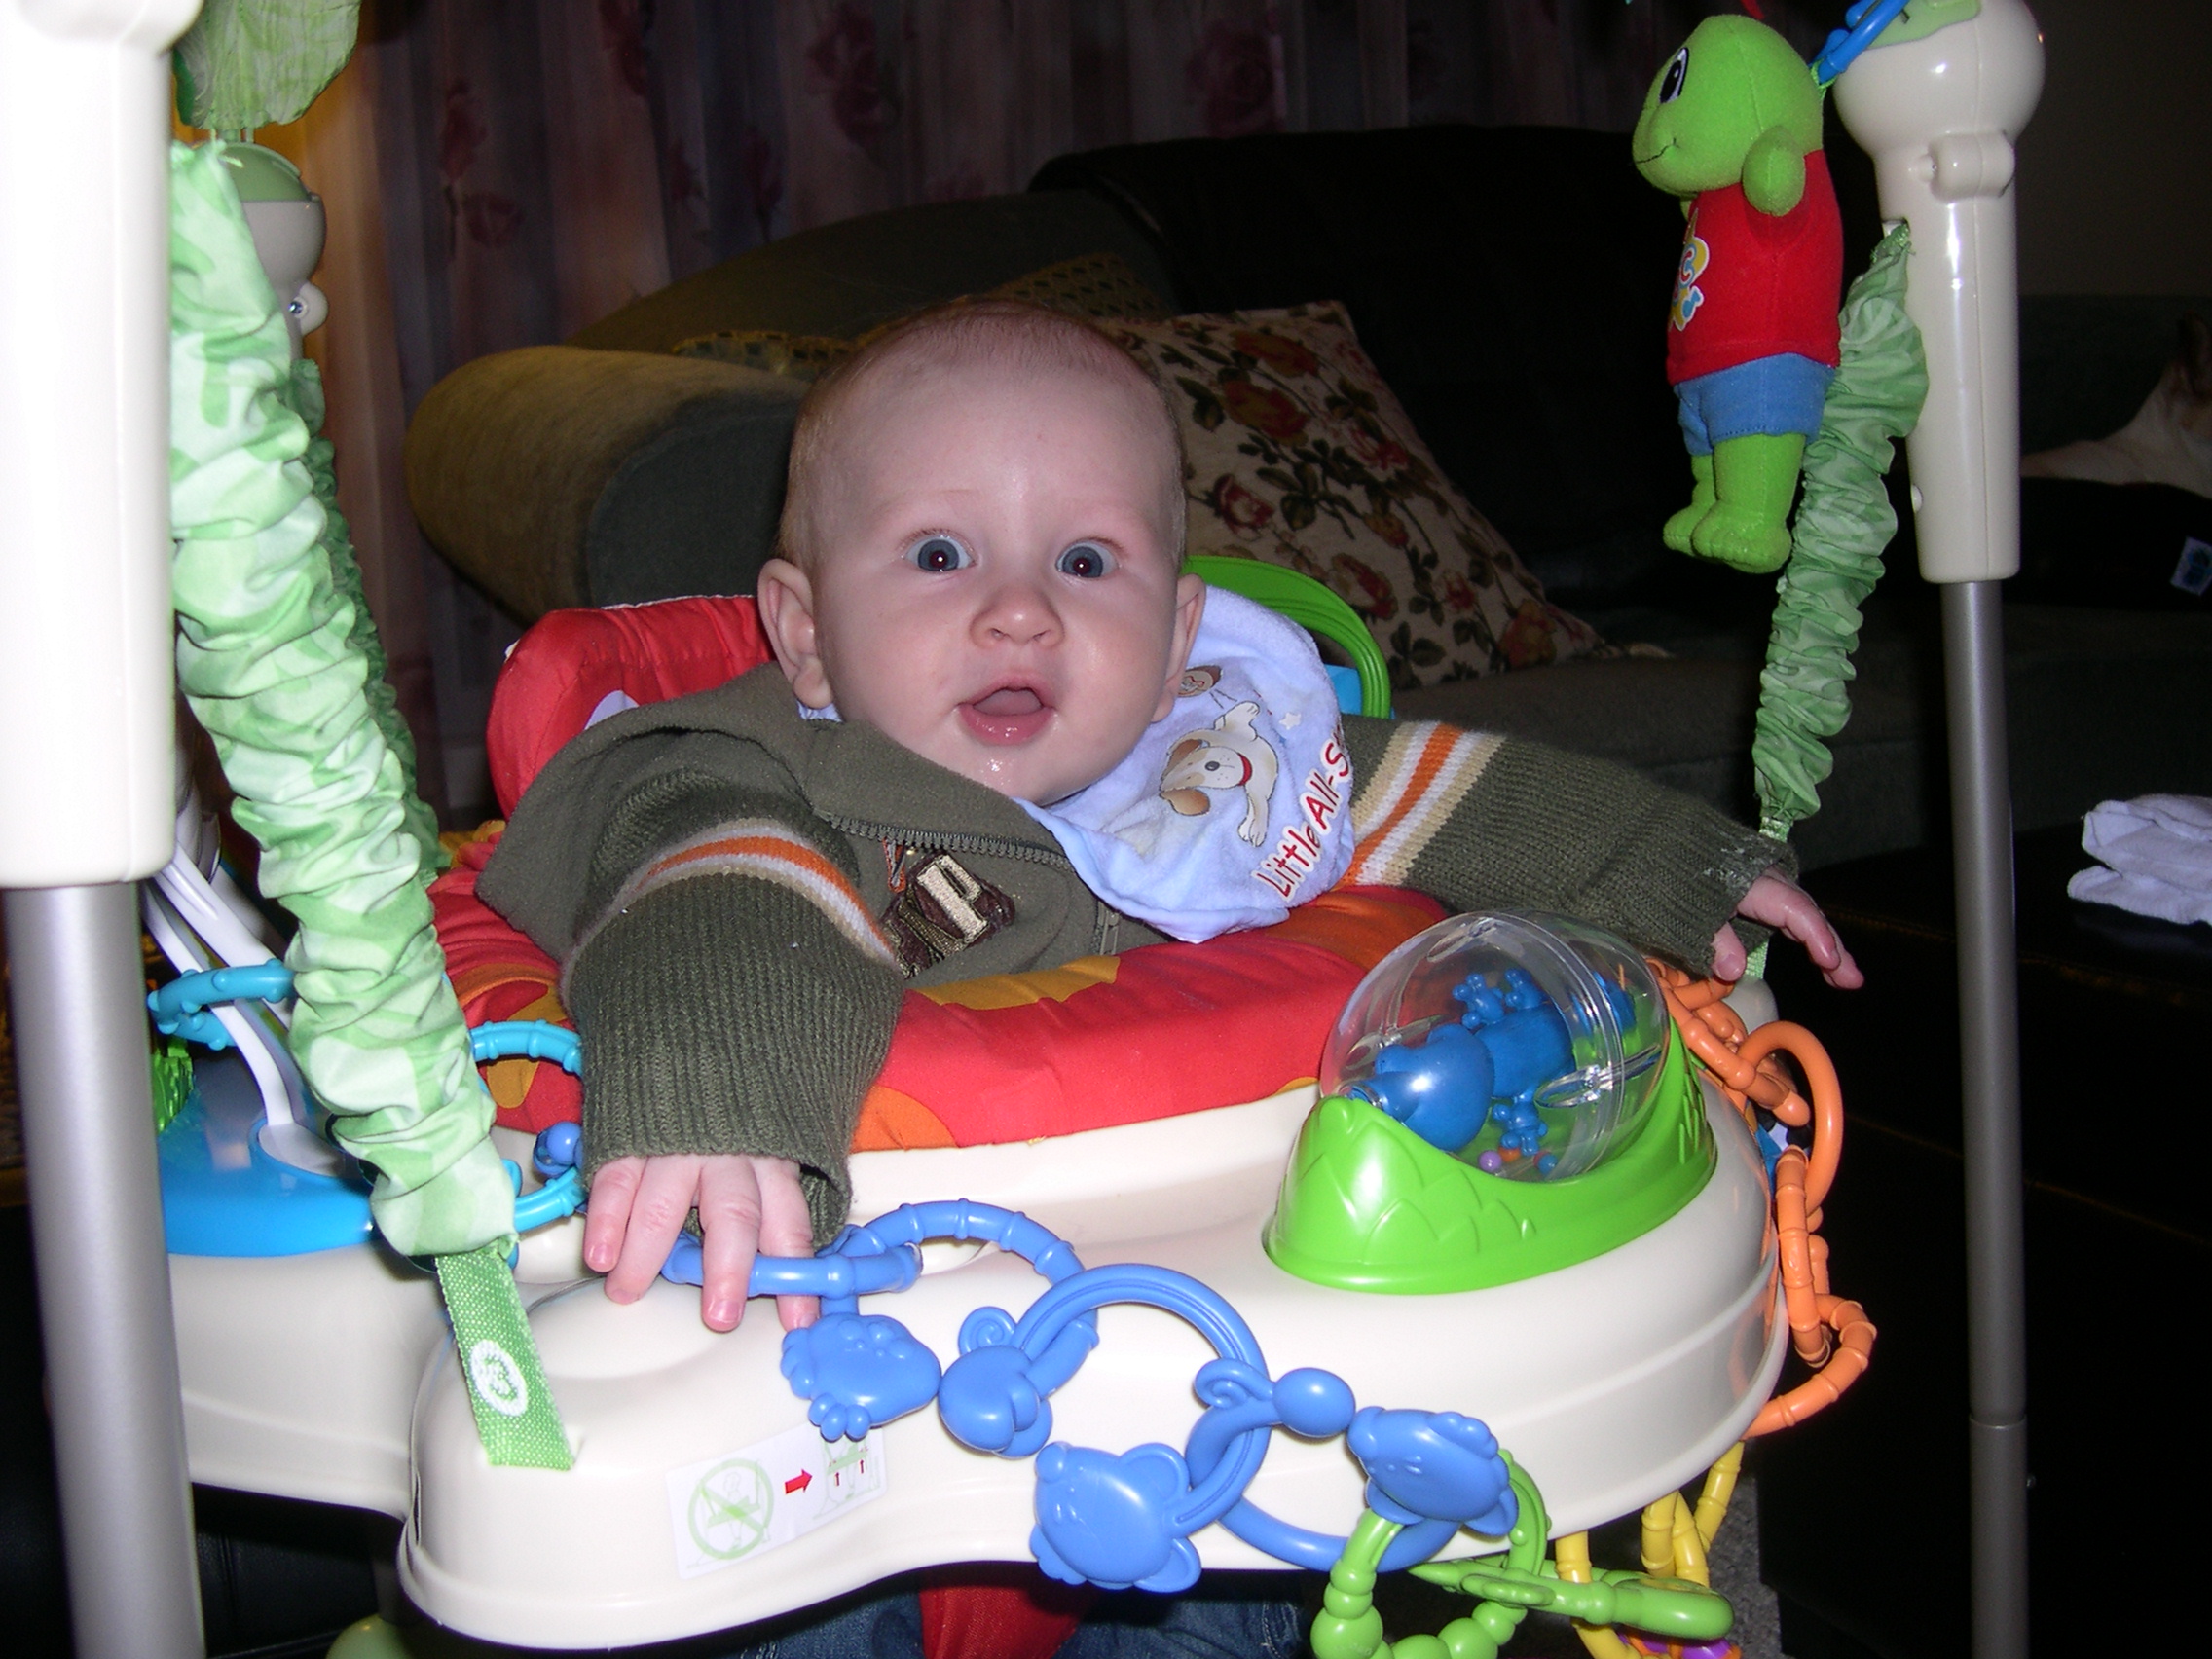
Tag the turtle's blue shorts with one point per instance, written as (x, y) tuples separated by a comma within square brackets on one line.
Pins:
[(1770, 395)]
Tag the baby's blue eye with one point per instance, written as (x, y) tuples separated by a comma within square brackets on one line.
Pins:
[(937, 554), (1086, 559)]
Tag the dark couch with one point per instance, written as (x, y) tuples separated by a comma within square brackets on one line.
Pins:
[(1509, 283)]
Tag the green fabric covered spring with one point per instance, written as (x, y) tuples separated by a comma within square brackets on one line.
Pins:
[(1843, 524), (271, 659), (247, 64)]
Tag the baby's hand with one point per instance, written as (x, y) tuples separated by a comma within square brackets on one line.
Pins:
[(1782, 904), (747, 1206)]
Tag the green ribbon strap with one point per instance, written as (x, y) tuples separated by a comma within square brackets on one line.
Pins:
[(516, 1418)]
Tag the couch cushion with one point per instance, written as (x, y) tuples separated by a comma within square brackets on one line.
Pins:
[(2102, 704), (558, 477), (1686, 721), (2105, 705), (2088, 361), (844, 278)]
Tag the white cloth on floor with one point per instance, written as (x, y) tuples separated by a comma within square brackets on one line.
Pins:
[(2160, 850), (1233, 806)]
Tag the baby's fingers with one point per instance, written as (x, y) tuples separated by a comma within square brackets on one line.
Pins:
[(1836, 964), (609, 1216), (666, 1188), (729, 1236), (1728, 955), (785, 1230), (1804, 921)]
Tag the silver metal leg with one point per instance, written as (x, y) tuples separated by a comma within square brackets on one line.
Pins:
[(104, 1275), (1997, 1356)]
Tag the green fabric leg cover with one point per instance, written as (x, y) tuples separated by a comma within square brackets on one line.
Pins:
[(1843, 524), (266, 658)]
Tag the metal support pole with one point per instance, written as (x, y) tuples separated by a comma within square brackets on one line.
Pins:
[(103, 1274), (1989, 1051)]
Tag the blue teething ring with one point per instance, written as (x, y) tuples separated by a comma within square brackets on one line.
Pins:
[(526, 1040), (535, 1040), (180, 1006)]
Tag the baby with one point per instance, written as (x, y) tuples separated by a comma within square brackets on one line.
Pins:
[(978, 623)]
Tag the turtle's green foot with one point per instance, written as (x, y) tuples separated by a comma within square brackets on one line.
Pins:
[(1754, 481), (1746, 539), (1677, 532)]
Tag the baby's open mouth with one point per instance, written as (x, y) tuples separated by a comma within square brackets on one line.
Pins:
[(1008, 714)]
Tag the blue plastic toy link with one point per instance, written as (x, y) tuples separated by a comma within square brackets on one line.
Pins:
[(1862, 22), (1113, 1518), (180, 1006), (1126, 1519), (859, 1371)]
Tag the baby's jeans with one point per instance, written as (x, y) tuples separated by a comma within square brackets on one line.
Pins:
[(1223, 1616)]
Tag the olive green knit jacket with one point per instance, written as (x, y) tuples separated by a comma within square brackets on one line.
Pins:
[(738, 898)]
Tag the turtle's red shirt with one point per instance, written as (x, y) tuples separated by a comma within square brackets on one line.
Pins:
[(1755, 284)]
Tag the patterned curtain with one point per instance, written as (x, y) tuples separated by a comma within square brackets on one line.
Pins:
[(502, 173)]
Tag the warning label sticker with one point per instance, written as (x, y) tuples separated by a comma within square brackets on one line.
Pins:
[(743, 1503)]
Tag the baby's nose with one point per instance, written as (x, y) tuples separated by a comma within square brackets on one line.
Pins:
[(1018, 613)]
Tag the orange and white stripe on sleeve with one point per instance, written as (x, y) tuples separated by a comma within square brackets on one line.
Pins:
[(1400, 805), (766, 851)]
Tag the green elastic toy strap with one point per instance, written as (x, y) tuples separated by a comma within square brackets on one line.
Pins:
[(515, 1417), (1843, 524), (271, 655), (1312, 607)]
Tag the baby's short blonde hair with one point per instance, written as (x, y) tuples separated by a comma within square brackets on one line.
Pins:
[(1008, 333)]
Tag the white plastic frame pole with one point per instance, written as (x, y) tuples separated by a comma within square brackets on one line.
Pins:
[(86, 806), (1940, 116)]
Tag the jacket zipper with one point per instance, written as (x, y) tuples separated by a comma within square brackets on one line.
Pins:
[(1106, 921), (989, 845)]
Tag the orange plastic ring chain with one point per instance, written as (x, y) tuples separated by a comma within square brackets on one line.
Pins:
[(1831, 1334)]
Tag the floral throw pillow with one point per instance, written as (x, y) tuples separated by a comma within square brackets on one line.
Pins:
[(1300, 456)]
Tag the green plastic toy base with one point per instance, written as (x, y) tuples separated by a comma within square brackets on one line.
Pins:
[(1367, 1204)]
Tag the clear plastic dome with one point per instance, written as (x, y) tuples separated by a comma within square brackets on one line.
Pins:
[(1525, 1045)]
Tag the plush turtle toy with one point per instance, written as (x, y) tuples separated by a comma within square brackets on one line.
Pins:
[(1732, 126)]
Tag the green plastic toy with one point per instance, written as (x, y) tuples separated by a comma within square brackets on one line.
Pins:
[(1313, 608), (1508, 1590), (1367, 1204), (1732, 127)]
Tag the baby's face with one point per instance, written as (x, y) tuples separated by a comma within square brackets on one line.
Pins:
[(995, 582)]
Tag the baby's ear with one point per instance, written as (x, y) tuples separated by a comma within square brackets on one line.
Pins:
[(1190, 607), (785, 597), (1774, 173)]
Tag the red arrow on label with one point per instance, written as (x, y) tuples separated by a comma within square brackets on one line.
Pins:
[(799, 1481)]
